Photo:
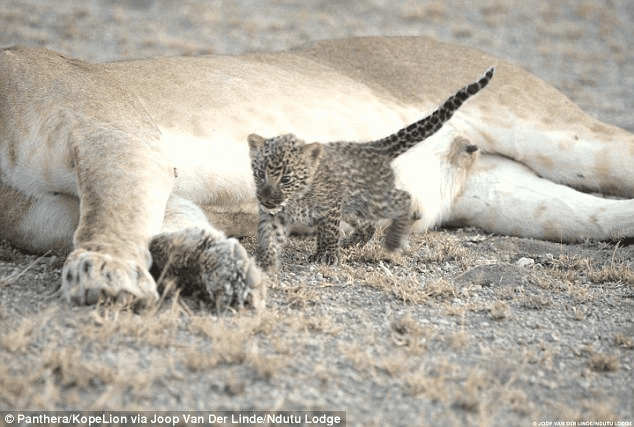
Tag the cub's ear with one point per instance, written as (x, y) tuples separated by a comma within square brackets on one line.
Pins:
[(312, 152), (255, 142)]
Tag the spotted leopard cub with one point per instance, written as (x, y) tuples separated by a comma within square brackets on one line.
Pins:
[(318, 185)]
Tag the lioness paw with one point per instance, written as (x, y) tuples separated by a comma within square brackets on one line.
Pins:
[(231, 275), (199, 260), (88, 276)]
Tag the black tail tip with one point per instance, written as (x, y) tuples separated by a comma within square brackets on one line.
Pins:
[(486, 78), (489, 73)]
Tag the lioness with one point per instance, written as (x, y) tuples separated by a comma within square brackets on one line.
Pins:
[(110, 160)]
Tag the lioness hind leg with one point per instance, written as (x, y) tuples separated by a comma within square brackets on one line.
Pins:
[(503, 196)]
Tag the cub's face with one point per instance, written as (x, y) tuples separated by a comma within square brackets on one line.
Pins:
[(283, 168)]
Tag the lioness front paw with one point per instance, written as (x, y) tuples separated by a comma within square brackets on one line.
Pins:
[(198, 260), (232, 276), (88, 276)]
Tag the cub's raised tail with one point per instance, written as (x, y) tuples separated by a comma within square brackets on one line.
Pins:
[(406, 138)]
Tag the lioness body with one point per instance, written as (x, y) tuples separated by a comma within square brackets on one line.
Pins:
[(115, 153)]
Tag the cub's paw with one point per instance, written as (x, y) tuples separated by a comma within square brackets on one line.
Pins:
[(88, 276), (232, 276), (200, 261), (324, 258), (360, 237), (396, 244)]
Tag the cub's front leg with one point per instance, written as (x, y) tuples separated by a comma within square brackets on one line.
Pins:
[(272, 235), (328, 238)]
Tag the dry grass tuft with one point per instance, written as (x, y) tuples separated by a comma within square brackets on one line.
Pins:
[(440, 289), (68, 368), (229, 340), (439, 248), (302, 295), (518, 401), (203, 358), (373, 252), (604, 362), (469, 397), (264, 366), (19, 339), (433, 383), (15, 387), (12, 278), (357, 354), (623, 341), (407, 333), (154, 327), (434, 11), (574, 269), (500, 310), (320, 324), (459, 340), (406, 289), (614, 272)]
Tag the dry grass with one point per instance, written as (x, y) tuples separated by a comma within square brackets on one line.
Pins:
[(500, 310), (616, 271), (15, 276), (578, 269), (434, 11), (244, 349), (470, 396), (405, 289), (459, 341), (434, 382), (302, 296), (623, 341), (406, 332), (604, 362), (19, 339), (438, 248)]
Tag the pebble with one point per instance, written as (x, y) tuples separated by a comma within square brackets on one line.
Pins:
[(525, 262)]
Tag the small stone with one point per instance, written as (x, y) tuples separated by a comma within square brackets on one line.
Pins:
[(525, 262)]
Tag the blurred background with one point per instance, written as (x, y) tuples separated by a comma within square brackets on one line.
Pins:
[(583, 47)]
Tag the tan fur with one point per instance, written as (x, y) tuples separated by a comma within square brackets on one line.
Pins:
[(109, 137)]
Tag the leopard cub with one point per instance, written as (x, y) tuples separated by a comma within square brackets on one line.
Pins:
[(318, 185)]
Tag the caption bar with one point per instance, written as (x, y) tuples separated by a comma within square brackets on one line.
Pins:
[(176, 418)]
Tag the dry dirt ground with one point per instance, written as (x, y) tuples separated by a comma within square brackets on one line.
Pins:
[(464, 328)]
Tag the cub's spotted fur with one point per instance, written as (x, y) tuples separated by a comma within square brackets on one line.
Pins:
[(321, 184)]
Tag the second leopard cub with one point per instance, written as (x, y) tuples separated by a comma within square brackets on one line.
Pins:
[(318, 185)]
